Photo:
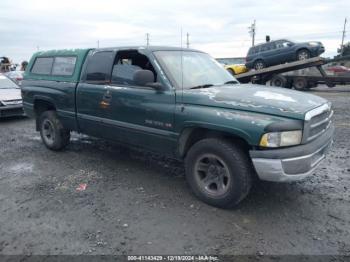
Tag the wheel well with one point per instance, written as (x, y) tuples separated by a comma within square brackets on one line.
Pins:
[(302, 48), (192, 135), (259, 60), (41, 106)]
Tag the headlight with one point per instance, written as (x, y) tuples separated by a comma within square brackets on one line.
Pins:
[(313, 43), (279, 139)]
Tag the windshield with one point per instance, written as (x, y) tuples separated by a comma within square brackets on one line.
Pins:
[(199, 69), (6, 83)]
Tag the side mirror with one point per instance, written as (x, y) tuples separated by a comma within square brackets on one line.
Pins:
[(146, 78), (143, 77)]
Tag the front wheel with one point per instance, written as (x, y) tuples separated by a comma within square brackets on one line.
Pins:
[(219, 173), (52, 132), (303, 55)]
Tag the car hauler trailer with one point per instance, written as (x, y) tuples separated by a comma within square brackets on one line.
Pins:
[(285, 75)]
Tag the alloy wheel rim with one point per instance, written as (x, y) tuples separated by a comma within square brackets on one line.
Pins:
[(48, 131), (212, 175), (303, 56), (259, 65)]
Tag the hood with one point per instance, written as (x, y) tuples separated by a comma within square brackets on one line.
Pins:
[(255, 98), (316, 42), (10, 94)]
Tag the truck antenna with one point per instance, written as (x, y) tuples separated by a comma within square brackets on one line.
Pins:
[(182, 77), (343, 37)]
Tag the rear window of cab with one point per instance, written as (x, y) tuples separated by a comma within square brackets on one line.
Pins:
[(55, 65)]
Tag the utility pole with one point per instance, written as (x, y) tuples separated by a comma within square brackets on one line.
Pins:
[(343, 37), (188, 40), (98, 43), (147, 39), (252, 30)]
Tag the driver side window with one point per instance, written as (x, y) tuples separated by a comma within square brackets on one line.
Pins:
[(126, 64)]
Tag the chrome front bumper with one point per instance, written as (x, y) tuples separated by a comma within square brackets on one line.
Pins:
[(294, 163)]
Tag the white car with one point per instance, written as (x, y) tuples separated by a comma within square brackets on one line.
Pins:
[(16, 76), (10, 98)]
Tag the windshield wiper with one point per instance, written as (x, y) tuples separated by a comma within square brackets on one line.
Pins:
[(231, 82), (201, 86)]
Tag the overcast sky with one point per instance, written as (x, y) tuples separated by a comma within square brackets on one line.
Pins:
[(218, 27)]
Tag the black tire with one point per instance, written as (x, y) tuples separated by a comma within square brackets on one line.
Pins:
[(278, 81), (236, 180), (259, 64), (52, 132), (303, 54), (231, 71), (330, 84), (300, 83)]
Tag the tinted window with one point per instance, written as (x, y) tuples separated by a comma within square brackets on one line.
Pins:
[(64, 65), (266, 47), (252, 50), (98, 70), (279, 44), (42, 65)]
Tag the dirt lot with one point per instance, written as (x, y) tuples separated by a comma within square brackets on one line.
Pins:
[(139, 203)]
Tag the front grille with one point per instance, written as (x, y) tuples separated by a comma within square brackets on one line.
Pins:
[(317, 121), (12, 112)]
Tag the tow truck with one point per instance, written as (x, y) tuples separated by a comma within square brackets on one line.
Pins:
[(290, 75)]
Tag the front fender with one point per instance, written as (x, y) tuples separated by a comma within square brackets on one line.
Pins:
[(248, 126)]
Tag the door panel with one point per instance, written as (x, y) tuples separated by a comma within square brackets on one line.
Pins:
[(284, 52), (92, 108), (121, 111), (144, 116), (267, 53), (93, 95)]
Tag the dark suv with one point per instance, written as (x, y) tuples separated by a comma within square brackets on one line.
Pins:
[(281, 51)]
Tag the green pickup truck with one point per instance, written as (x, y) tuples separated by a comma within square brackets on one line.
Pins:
[(181, 103)]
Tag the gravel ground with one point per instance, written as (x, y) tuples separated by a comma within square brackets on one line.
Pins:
[(138, 203)]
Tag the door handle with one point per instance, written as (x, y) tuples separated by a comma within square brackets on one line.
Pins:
[(107, 96)]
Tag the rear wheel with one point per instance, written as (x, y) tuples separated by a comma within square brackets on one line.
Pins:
[(218, 172), (303, 54), (330, 84), (259, 64), (300, 83), (278, 81), (52, 132)]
